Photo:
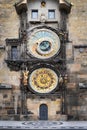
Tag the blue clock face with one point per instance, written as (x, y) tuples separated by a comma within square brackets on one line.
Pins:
[(43, 44)]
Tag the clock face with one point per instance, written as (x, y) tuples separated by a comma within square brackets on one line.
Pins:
[(43, 44), (43, 80)]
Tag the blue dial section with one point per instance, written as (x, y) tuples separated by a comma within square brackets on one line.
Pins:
[(45, 46)]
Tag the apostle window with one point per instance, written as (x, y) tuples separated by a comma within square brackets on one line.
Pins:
[(51, 14), (34, 14)]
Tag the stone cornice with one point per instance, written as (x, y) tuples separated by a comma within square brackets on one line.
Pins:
[(13, 41), (65, 5), (80, 46), (21, 6)]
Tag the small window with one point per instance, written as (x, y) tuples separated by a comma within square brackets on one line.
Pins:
[(51, 14), (14, 52), (34, 14)]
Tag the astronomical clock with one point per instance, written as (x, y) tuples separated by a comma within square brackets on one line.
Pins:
[(39, 56), (43, 80), (44, 45)]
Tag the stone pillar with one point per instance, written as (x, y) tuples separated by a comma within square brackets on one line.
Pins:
[(16, 102)]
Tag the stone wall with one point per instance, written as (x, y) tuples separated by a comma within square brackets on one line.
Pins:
[(77, 58), (9, 27), (9, 20), (33, 105)]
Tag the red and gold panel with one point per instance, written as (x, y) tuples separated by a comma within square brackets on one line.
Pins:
[(43, 80)]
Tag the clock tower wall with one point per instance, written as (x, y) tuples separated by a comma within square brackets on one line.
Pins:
[(33, 105)]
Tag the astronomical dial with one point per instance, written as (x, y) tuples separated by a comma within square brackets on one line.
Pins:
[(43, 44), (43, 80)]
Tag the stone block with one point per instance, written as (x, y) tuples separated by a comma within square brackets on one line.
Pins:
[(11, 111), (82, 76), (74, 67), (63, 118), (71, 85), (17, 117)]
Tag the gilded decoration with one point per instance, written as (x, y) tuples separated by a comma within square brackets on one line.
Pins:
[(43, 80), (25, 77)]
